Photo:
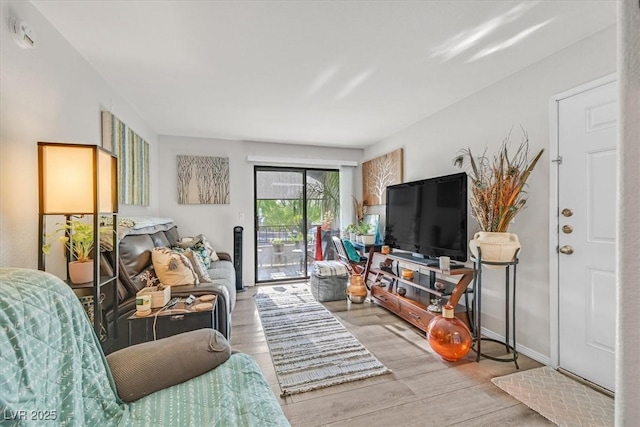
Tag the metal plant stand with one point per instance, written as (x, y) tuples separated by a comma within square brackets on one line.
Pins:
[(477, 308)]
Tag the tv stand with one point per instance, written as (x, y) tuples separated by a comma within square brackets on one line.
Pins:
[(413, 306)]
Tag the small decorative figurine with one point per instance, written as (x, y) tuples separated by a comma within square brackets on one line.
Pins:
[(435, 305)]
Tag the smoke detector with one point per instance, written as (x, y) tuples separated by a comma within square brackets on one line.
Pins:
[(22, 34)]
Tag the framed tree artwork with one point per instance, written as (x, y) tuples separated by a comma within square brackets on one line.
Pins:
[(379, 173), (203, 180)]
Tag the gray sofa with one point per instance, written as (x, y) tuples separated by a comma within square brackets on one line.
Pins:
[(134, 259)]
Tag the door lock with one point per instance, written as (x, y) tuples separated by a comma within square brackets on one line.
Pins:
[(566, 212), (566, 249), (567, 229)]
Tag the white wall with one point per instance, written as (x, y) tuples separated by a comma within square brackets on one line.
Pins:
[(483, 120), (216, 222), (49, 93)]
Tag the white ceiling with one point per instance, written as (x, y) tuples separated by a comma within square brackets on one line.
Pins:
[(313, 72)]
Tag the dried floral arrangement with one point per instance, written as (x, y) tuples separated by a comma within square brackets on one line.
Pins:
[(360, 208), (497, 184)]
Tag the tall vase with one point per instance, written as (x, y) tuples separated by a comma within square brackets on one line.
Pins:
[(495, 246), (81, 272), (356, 291)]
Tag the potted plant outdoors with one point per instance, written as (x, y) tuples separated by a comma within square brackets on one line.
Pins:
[(363, 230), (296, 238), (78, 239), (278, 245), (497, 196)]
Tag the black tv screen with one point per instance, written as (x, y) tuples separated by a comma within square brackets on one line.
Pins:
[(429, 217)]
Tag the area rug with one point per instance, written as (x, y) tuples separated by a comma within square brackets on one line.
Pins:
[(558, 398), (309, 347)]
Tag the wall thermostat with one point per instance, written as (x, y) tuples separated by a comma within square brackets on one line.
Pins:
[(22, 34)]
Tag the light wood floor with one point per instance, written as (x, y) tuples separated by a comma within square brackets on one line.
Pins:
[(423, 390)]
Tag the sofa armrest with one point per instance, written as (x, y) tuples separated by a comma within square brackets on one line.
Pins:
[(145, 368), (224, 256)]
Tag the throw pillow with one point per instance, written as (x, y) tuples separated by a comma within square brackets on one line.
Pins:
[(145, 368), (198, 266), (201, 245), (173, 268)]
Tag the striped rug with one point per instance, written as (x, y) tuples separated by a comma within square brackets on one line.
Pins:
[(309, 347)]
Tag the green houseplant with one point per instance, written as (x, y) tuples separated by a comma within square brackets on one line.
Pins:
[(351, 229), (498, 195), (78, 238), (278, 244), (364, 229)]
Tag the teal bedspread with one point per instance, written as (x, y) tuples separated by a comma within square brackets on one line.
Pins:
[(52, 371), (238, 388)]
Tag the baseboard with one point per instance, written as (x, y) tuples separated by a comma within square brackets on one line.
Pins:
[(545, 360)]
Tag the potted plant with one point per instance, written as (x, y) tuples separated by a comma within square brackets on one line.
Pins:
[(278, 245), (297, 239), (351, 230), (363, 230), (78, 239), (497, 196)]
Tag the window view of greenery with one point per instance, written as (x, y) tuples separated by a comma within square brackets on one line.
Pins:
[(286, 229), (282, 219)]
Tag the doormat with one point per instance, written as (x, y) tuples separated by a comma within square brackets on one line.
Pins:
[(558, 398), (309, 347)]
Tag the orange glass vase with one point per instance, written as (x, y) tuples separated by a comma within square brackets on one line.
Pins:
[(449, 336), (356, 291)]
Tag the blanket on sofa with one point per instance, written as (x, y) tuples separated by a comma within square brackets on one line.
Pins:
[(50, 358), (52, 369)]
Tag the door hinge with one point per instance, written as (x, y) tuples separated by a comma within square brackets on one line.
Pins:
[(557, 160)]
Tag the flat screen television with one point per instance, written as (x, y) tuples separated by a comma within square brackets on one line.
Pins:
[(429, 217)]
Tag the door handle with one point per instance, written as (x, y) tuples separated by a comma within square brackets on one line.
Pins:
[(567, 229), (566, 249), (566, 212)]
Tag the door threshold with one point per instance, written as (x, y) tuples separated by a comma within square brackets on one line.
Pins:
[(588, 383)]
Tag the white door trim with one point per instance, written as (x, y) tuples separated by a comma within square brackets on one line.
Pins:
[(554, 289)]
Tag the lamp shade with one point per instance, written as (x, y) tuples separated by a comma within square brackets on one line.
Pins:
[(76, 179)]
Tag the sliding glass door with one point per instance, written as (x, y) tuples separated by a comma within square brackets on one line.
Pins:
[(293, 208)]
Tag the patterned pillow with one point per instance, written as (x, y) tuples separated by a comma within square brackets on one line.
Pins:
[(173, 268), (198, 265), (201, 245)]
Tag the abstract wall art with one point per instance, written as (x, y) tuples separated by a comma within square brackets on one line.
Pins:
[(203, 180), (379, 173), (133, 160)]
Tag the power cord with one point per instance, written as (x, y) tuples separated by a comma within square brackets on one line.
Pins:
[(155, 319), (167, 306)]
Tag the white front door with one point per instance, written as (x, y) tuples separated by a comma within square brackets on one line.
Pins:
[(587, 142)]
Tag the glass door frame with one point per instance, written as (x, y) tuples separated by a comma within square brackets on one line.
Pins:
[(305, 261)]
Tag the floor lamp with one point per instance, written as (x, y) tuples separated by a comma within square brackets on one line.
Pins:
[(78, 180)]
